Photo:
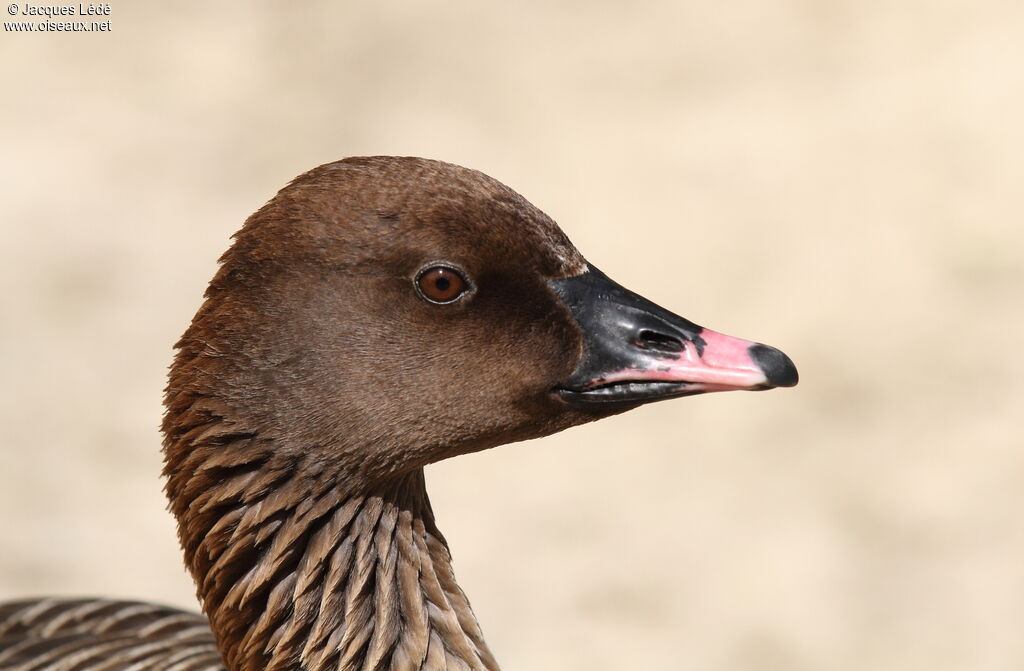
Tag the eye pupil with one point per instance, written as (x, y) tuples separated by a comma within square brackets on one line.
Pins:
[(441, 284)]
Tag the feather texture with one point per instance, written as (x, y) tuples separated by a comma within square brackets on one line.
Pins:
[(103, 635)]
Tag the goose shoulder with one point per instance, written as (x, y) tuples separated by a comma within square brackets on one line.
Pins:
[(95, 634)]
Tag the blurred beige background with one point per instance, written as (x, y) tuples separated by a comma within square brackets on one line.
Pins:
[(840, 179)]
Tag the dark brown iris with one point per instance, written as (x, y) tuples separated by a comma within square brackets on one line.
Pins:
[(441, 284)]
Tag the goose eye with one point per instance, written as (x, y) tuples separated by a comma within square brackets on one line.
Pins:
[(441, 284)]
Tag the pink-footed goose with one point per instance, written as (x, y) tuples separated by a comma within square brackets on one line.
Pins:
[(377, 315)]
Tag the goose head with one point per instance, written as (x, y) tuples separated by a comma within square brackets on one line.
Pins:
[(379, 314)]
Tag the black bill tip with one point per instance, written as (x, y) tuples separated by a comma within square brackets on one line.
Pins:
[(777, 367)]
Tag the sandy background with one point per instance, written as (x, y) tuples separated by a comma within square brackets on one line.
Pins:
[(840, 179)]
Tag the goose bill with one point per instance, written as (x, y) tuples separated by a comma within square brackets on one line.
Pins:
[(637, 352)]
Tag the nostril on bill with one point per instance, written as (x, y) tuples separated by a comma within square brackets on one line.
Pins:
[(776, 366), (658, 341)]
